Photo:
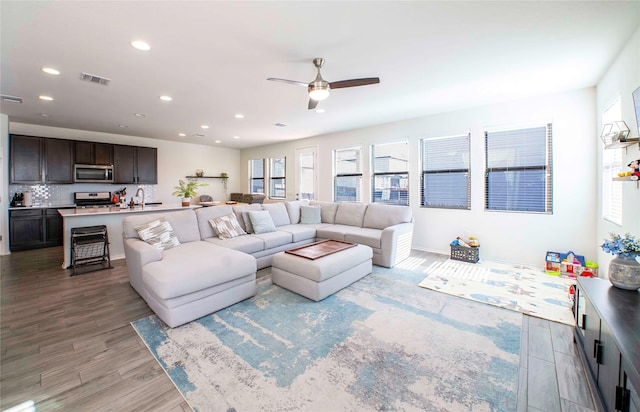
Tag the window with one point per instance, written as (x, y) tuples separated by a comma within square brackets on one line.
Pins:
[(445, 172), (256, 176), (611, 165), (518, 175), (277, 188), (390, 173), (348, 175)]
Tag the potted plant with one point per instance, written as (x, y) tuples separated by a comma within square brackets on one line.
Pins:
[(187, 190)]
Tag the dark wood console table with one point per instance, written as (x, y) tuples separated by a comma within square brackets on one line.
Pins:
[(607, 334)]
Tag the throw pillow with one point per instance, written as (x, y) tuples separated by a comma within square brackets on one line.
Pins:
[(247, 221), (262, 222), (227, 226), (158, 233), (310, 215)]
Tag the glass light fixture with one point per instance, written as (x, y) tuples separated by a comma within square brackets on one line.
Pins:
[(319, 93)]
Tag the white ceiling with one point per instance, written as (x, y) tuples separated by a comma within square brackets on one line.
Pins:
[(213, 58)]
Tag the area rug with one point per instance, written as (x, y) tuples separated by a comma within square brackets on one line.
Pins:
[(527, 290), (380, 344)]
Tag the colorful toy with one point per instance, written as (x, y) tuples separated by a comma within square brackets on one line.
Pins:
[(635, 166)]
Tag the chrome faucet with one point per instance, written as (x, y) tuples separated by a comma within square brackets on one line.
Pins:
[(138, 192)]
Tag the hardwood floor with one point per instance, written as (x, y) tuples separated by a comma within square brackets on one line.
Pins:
[(66, 344)]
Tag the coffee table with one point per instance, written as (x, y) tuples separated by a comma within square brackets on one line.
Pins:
[(312, 273)]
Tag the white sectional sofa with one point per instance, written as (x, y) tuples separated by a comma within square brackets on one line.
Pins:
[(205, 273)]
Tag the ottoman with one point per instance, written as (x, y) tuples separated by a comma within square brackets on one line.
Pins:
[(319, 278)]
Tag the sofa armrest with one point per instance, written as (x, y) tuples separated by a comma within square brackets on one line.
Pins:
[(395, 243), (138, 253)]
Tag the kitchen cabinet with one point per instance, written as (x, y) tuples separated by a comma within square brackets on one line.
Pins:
[(34, 228), (37, 160), (134, 164), (93, 153), (607, 333)]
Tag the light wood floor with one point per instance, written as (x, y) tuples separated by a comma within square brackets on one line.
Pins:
[(66, 344)]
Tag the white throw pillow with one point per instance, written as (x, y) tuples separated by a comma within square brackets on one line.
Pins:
[(262, 222), (158, 233), (310, 215), (227, 226)]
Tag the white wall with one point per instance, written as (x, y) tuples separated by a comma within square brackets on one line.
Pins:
[(621, 79), (514, 237)]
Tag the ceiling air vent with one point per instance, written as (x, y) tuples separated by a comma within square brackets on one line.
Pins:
[(92, 78), (280, 124), (10, 99)]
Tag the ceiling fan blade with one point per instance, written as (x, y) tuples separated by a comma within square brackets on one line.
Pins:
[(354, 82), (312, 104), (288, 81)]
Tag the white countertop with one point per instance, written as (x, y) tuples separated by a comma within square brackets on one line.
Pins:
[(45, 206), (65, 213)]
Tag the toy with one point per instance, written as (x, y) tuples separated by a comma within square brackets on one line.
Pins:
[(552, 264), (635, 166)]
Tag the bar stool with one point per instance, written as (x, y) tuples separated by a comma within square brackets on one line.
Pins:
[(90, 247)]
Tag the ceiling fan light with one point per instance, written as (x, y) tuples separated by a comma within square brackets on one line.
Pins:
[(319, 94)]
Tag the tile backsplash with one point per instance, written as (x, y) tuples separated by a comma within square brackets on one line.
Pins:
[(54, 195)]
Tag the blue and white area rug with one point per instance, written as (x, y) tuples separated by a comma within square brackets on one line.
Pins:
[(380, 344), (523, 289)]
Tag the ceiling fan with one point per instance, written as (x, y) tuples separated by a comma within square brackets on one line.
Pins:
[(319, 88)]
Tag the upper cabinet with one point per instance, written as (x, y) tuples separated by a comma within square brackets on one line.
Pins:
[(40, 160), (133, 164), (93, 153)]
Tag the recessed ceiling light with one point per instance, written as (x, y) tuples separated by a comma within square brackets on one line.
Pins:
[(217, 141), (45, 115), (165, 98), (204, 126), (239, 116), (50, 70), (236, 137), (140, 115), (47, 98), (140, 45), (182, 134), (320, 111), (123, 126)]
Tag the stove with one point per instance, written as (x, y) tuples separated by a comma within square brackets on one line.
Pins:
[(92, 199)]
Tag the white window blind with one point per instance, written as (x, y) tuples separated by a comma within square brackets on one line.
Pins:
[(611, 165), (390, 183), (518, 170), (256, 176), (445, 172), (277, 178), (348, 175)]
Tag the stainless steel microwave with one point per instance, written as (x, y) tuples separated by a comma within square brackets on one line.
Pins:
[(92, 174)]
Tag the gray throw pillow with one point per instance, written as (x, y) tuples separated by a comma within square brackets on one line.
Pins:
[(247, 221), (310, 215), (158, 233), (262, 222)]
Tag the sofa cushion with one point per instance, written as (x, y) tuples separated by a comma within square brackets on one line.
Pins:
[(193, 267), (351, 214), (379, 216), (278, 213), (310, 215), (247, 221), (246, 244), (365, 236), (238, 210), (227, 226), (204, 214), (293, 209), (336, 232), (275, 239), (158, 233), (299, 232), (183, 222), (327, 210), (261, 222)]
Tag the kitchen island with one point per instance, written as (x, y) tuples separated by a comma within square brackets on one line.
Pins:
[(109, 216)]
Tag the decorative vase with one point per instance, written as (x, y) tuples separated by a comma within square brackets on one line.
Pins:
[(624, 272), (186, 201)]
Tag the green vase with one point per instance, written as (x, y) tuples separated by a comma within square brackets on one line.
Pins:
[(624, 272)]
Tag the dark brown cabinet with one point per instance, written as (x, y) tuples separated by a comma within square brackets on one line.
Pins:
[(34, 229), (135, 164), (40, 160), (607, 333), (93, 153)]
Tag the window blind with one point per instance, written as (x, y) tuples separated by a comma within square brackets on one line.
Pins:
[(256, 173), (277, 188), (611, 165), (519, 170), (445, 172), (390, 183), (348, 175)]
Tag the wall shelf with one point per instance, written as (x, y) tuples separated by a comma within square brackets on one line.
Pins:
[(207, 177), (626, 179), (622, 145)]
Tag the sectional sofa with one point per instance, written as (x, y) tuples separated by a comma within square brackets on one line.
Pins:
[(201, 273)]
